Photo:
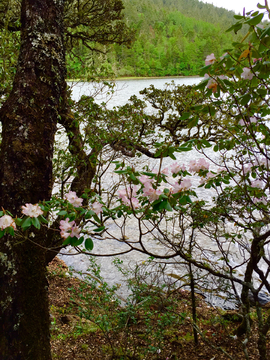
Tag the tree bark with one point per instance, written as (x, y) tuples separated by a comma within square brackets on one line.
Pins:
[(29, 119)]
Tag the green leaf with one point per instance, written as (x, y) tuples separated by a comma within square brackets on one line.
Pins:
[(43, 220), (255, 20), (245, 99), (148, 173), (120, 171), (2, 233), (99, 229), (171, 155), (133, 177), (18, 221), (27, 223), (183, 148), (265, 32), (235, 28), (74, 241), (202, 84), (193, 122), (36, 222), (184, 116), (162, 205), (62, 212), (10, 230), (206, 143), (89, 214), (96, 218), (67, 241), (185, 199), (259, 6), (89, 245), (238, 17)]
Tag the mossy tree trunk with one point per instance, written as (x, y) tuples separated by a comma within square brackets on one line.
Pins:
[(29, 119)]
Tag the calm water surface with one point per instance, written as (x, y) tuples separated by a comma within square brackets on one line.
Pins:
[(124, 89)]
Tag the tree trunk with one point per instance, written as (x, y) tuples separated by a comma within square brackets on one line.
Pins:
[(29, 119)]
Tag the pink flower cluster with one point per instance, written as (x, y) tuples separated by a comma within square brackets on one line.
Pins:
[(32, 210), (148, 189), (210, 59), (7, 221), (253, 120), (197, 165), (97, 207), (257, 184), (175, 168), (73, 199), (247, 74), (150, 192), (185, 184), (69, 228), (127, 198), (208, 176)]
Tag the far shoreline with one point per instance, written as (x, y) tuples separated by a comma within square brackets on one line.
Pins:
[(126, 78)]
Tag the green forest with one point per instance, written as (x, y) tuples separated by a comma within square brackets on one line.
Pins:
[(171, 38)]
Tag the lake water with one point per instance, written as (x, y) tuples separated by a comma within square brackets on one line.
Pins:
[(123, 90)]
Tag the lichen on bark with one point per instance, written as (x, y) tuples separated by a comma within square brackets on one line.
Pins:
[(29, 119)]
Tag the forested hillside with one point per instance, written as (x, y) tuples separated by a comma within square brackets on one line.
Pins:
[(173, 37)]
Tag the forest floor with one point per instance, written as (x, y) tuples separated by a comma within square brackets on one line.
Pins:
[(88, 323)]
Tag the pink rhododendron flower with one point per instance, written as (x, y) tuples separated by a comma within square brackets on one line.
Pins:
[(126, 195), (197, 165), (69, 228), (208, 176), (257, 184), (247, 122), (203, 164), (134, 202), (212, 85), (242, 122), (66, 225), (32, 210), (185, 184), (165, 171), (175, 168), (75, 232), (97, 207), (145, 179), (247, 74), (247, 169), (7, 221), (221, 169), (151, 193), (262, 200), (73, 199), (122, 193), (210, 59)]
